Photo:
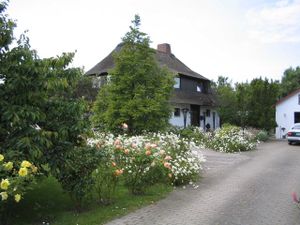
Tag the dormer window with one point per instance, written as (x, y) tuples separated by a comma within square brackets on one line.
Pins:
[(177, 82)]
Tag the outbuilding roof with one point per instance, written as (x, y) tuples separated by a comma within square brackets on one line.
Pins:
[(288, 96)]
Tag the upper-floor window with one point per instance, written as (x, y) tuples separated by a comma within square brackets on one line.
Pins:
[(199, 88), (299, 99), (177, 82)]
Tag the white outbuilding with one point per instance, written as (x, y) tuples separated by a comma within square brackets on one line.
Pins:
[(287, 113)]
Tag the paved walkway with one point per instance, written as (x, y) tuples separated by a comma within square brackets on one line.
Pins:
[(251, 188)]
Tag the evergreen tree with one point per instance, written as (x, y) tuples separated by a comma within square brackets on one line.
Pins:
[(139, 89), (227, 101), (290, 81)]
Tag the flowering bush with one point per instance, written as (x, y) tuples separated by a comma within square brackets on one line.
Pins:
[(147, 159), (191, 133), (231, 139), (15, 179)]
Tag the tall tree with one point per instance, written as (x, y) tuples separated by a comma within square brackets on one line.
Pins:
[(262, 97), (242, 95), (139, 89)]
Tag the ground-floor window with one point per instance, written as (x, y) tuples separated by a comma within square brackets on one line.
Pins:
[(177, 112), (297, 117)]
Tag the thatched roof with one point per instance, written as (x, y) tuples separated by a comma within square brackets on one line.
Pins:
[(164, 59)]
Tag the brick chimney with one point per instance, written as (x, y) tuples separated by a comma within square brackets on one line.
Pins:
[(165, 48)]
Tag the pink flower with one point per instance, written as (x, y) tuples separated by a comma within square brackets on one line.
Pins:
[(167, 165), (119, 147), (133, 145), (124, 126), (295, 198), (162, 152), (117, 142), (148, 152), (168, 158), (153, 145), (148, 146)]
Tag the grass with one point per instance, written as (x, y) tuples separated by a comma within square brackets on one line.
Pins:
[(49, 204)]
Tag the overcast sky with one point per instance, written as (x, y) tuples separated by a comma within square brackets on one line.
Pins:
[(240, 39)]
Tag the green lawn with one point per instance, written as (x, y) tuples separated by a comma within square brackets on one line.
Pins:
[(48, 203)]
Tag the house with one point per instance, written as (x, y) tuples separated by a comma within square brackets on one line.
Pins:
[(287, 113), (192, 99)]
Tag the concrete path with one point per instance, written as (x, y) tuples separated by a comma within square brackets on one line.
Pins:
[(251, 188)]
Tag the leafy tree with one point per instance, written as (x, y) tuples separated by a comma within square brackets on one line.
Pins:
[(290, 81), (41, 120), (139, 89)]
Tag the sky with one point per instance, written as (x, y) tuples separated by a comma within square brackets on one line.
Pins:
[(239, 39)]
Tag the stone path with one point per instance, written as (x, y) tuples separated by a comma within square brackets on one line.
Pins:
[(251, 188)]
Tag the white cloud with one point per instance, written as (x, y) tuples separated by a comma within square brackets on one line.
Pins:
[(275, 23)]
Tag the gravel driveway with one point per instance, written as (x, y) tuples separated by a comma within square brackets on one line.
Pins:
[(250, 188)]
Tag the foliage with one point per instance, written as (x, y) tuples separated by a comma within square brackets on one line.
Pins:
[(15, 180), (85, 89), (262, 97), (246, 104), (290, 81), (139, 89), (40, 117), (227, 100), (148, 159)]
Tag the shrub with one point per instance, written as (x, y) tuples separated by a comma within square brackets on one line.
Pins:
[(75, 174), (105, 178), (262, 136)]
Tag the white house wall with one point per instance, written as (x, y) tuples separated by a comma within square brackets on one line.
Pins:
[(285, 115), (179, 121), (209, 119)]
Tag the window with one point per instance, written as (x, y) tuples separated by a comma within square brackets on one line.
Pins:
[(208, 113), (177, 82), (177, 112), (96, 82), (199, 88)]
